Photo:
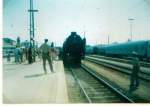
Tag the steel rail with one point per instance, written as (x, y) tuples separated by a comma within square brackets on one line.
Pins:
[(107, 84), (124, 65), (144, 64), (116, 67), (82, 88)]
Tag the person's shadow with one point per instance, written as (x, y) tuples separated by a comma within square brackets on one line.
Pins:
[(34, 75)]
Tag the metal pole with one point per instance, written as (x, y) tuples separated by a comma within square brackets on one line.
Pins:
[(30, 23), (33, 33), (108, 39), (131, 20), (32, 40)]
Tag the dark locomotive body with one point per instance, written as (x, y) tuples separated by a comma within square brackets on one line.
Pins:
[(73, 50)]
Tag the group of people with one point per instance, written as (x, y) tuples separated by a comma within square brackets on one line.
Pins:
[(44, 52), (19, 54), (23, 54)]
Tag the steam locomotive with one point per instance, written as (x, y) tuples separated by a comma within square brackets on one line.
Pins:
[(73, 50)]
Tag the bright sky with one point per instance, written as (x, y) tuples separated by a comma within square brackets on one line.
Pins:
[(98, 18)]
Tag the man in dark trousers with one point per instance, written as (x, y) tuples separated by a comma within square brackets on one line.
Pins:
[(134, 81), (46, 55), (30, 55)]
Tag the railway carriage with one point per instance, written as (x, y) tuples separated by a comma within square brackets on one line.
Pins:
[(124, 50), (89, 49)]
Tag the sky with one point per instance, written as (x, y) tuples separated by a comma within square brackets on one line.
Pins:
[(98, 19)]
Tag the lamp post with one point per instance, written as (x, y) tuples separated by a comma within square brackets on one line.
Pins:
[(108, 39), (131, 22)]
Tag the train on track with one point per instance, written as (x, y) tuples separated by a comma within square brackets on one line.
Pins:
[(123, 50), (73, 50)]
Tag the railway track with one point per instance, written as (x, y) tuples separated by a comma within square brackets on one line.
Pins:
[(95, 89), (124, 68), (74, 92), (143, 64)]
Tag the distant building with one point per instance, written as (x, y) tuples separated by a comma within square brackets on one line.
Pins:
[(8, 46)]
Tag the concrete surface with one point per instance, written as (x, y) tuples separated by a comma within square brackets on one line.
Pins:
[(24, 83)]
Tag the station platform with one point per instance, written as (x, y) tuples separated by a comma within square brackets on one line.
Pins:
[(27, 83)]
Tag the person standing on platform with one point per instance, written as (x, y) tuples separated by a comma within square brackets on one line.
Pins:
[(30, 55), (134, 81), (26, 53), (17, 54), (52, 51), (21, 55), (46, 55)]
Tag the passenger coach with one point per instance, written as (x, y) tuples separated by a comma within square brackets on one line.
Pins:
[(125, 49)]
